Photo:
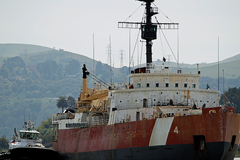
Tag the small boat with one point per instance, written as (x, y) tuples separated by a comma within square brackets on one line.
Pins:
[(27, 145)]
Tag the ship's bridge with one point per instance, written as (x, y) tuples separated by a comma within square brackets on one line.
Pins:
[(161, 76), (158, 86)]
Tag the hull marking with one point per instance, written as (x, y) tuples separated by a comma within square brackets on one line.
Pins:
[(160, 131)]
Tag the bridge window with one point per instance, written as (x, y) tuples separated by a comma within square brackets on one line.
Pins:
[(185, 85), (166, 84), (145, 102), (137, 116), (176, 85), (194, 86), (139, 85), (148, 85)]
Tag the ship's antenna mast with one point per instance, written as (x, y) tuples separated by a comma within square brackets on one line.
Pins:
[(148, 29), (93, 52), (24, 116), (129, 52), (110, 61), (223, 89), (218, 64)]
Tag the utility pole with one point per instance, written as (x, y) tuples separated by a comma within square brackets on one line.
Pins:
[(121, 58)]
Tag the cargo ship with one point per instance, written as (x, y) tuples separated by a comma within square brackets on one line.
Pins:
[(159, 114)]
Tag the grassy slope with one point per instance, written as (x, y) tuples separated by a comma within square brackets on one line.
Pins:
[(12, 50), (36, 54), (62, 57)]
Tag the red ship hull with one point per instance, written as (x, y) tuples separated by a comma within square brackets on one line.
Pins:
[(212, 135)]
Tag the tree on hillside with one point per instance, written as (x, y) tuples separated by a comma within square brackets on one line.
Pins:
[(233, 97), (104, 70), (46, 132), (3, 143), (49, 68), (62, 102), (5, 72), (13, 62), (71, 102), (72, 68)]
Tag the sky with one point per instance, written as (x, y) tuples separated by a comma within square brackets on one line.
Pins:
[(71, 24)]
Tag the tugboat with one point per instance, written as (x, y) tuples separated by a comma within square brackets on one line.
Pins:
[(28, 146), (158, 115)]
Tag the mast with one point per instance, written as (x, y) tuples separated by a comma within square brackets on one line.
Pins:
[(218, 64), (93, 54), (148, 29)]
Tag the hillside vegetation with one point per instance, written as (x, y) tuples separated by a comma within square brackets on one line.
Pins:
[(33, 93)]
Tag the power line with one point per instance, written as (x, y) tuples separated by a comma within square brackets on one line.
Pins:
[(121, 57)]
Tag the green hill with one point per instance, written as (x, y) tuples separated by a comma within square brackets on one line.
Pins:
[(61, 57), (12, 50), (231, 69), (33, 54)]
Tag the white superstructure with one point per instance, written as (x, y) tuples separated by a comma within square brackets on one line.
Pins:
[(153, 92)]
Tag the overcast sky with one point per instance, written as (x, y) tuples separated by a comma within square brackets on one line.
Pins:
[(70, 25)]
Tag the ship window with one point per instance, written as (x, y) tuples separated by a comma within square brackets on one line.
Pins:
[(176, 85), (139, 85), (166, 84), (147, 85), (194, 86), (157, 84), (185, 85), (137, 116), (145, 102), (28, 135)]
